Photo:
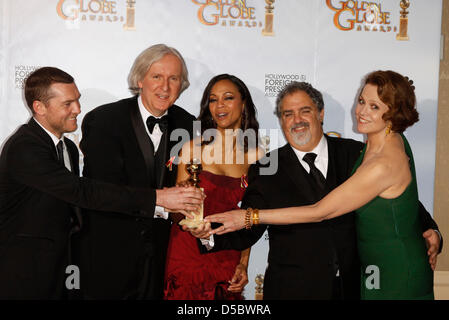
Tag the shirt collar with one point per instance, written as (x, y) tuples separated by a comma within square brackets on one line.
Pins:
[(54, 138), (144, 112), (320, 150)]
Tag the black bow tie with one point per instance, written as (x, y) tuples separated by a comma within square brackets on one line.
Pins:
[(163, 123)]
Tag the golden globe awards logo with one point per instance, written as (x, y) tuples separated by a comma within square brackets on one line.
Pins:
[(360, 16), (101, 11), (227, 13)]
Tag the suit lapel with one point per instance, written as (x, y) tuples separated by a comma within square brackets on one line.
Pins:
[(36, 128), (173, 123), (331, 179), (72, 155), (145, 145), (74, 159), (296, 173), (161, 158)]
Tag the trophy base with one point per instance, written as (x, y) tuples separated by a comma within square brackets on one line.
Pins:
[(191, 224), (267, 33), (196, 221), (402, 38)]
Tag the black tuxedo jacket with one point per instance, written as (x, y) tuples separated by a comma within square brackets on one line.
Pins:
[(303, 258), (124, 258), (37, 199)]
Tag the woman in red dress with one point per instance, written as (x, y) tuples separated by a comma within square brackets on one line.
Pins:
[(228, 108)]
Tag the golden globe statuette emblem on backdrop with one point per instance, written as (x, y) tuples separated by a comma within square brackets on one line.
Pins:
[(130, 15), (269, 16), (259, 287), (403, 21), (194, 170)]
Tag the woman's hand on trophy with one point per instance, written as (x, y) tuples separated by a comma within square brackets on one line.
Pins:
[(180, 199), (240, 278), (230, 220), (202, 231)]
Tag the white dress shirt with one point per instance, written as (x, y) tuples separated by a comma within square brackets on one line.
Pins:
[(159, 212), (157, 133), (56, 140), (322, 159)]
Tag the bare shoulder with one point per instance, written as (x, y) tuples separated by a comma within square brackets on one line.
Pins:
[(395, 152), (377, 166)]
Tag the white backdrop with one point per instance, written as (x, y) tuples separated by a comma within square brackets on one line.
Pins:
[(329, 43)]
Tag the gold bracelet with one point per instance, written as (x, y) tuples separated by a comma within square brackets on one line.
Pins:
[(255, 217), (248, 214)]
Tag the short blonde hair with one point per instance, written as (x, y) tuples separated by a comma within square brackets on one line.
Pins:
[(149, 56)]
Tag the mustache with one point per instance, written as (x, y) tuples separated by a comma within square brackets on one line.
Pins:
[(302, 124)]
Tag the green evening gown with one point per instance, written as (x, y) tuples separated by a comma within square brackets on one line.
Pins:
[(393, 254)]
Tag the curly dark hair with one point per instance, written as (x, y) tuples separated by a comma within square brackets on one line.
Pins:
[(397, 92), (294, 87), (249, 120)]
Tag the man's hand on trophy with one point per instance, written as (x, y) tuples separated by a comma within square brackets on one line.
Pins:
[(184, 183), (180, 199), (201, 231)]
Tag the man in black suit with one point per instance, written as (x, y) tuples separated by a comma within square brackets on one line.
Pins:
[(40, 190), (311, 260), (123, 257)]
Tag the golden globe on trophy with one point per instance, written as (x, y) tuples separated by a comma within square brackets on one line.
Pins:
[(194, 168), (265, 141), (259, 287), (130, 15), (269, 16), (403, 21)]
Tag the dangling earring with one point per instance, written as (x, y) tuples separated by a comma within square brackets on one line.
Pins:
[(388, 130)]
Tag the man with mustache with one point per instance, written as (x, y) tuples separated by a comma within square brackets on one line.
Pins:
[(40, 192), (314, 260)]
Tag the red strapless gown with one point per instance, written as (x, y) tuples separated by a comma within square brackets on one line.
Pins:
[(190, 275)]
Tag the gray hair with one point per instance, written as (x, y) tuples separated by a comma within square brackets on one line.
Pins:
[(296, 86), (144, 61)]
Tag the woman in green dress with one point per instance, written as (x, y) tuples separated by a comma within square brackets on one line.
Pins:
[(382, 190)]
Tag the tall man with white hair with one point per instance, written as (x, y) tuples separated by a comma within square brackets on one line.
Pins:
[(128, 142)]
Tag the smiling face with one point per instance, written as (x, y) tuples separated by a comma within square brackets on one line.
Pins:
[(161, 85), (301, 121), (226, 105), (369, 111), (58, 114)]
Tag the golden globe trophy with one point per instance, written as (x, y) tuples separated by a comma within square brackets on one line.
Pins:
[(194, 170), (403, 21), (265, 141), (130, 15), (259, 287), (269, 16)]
